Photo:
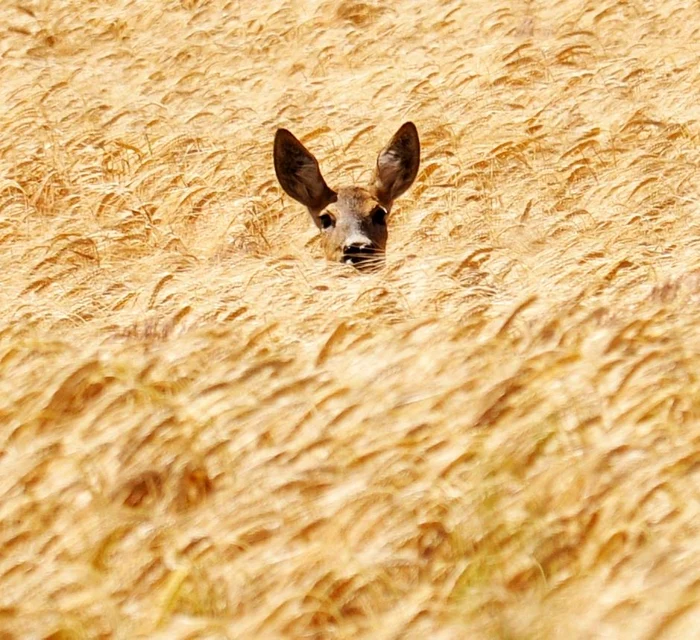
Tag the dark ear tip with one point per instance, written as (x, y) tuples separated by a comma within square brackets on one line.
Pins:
[(409, 127), (409, 131), (283, 134)]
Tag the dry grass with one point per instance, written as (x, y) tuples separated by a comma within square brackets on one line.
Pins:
[(210, 432)]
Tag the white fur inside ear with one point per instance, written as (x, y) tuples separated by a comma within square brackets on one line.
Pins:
[(397, 164), (389, 165)]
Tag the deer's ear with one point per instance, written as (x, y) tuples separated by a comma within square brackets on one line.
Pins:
[(397, 165), (299, 174)]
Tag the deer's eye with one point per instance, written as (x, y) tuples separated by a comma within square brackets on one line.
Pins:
[(327, 221), (379, 214)]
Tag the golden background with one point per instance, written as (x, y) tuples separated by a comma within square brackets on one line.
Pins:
[(208, 431)]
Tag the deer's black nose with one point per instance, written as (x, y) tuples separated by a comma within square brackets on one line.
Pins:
[(360, 253)]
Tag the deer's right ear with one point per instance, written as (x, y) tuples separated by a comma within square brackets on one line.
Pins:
[(299, 174), (397, 165)]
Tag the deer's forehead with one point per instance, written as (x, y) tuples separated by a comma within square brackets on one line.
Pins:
[(355, 200)]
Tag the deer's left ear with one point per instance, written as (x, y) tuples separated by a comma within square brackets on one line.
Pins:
[(299, 174), (397, 165)]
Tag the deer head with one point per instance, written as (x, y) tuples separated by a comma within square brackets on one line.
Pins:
[(352, 220)]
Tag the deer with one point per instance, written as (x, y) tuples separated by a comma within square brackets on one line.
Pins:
[(352, 220)]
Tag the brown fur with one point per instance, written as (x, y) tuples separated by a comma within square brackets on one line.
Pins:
[(352, 220)]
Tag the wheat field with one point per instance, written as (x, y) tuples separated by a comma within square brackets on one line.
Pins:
[(209, 431)]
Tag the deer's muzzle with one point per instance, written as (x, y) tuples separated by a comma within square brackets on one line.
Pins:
[(362, 256)]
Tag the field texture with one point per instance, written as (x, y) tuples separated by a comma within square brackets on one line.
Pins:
[(209, 431)]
